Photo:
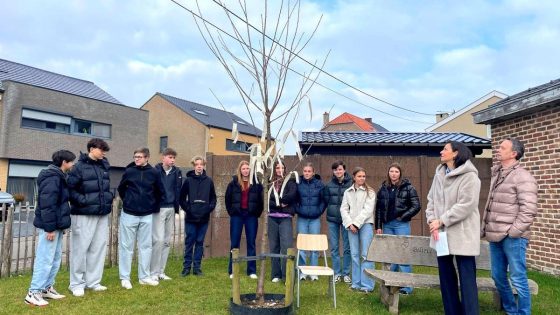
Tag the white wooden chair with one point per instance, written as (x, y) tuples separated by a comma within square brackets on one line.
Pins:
[(314, 242)]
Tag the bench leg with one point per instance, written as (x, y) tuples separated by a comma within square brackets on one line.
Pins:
[(497, 300), (390, 298)]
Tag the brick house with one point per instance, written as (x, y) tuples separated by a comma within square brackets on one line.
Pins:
[(42, 111), (533, 116), (195, 129), (461, 120), (349, 122)]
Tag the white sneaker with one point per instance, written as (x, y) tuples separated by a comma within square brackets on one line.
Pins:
[(276, 280), (163, 276), (126, 284), (148, 281), (253, 276), (50, 293), (302, 277), (99, 288), (313, 278), (78, 292), (35, 299), (231, 276), (347, 279)]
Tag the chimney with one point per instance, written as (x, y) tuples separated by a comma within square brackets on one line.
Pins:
[(441, 116), (325, 118), (368, 120)]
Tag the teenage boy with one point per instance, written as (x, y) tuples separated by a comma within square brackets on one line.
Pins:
[(333, 193), (52, 217), (91, 202), (198, 199), (141, 190), (163, 221)]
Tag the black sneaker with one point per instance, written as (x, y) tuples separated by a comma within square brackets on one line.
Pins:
[(185, 272), (404, 292), (198, 272)]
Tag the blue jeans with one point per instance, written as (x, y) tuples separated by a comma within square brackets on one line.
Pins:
[(359, 245), (335, 229), (511, 252), (48, 256), (396, 227), (251, 224), (308, 226), (135, 229), (194, 237)]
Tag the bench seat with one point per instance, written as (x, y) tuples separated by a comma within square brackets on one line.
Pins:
[(415, 250)]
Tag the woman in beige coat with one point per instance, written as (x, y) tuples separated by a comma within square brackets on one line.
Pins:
[(453, 208), (356, 211)]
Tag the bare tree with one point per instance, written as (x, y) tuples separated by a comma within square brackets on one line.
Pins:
[(260, 61)]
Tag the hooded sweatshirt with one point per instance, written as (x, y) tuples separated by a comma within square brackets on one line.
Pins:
[(198, 197), (141, 190)]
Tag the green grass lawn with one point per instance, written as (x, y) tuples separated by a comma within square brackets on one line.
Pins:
[(210, 294)]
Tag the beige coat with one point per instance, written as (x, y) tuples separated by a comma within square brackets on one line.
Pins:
[(512, 204), (453, 198), (357, 206)]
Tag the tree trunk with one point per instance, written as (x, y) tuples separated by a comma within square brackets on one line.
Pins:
[(264, 219)]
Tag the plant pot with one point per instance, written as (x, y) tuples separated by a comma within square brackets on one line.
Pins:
[(245, 309)]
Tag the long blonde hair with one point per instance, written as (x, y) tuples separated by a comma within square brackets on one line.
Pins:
[(240, 177), (358, 169)]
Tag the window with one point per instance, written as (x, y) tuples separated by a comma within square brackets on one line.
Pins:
[(61, 123), (91, 128), (240, 146), (200, 112), (162, 143), (43, 120)]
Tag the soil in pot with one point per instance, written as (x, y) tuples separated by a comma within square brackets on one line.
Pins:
[(274, 304)]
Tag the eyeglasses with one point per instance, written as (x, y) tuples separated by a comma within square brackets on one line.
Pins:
[(138, 157)]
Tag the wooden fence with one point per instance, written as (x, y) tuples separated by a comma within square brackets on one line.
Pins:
[(19, 239)]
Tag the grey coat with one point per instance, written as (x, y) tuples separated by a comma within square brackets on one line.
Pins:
[(453, 198)]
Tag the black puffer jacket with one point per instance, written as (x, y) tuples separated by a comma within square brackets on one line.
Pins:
[(89, 185), (53, 209), (407, 203), (332, 195), (198, 197), (289, 198), (141, 190), (310, 203), (233, 199)]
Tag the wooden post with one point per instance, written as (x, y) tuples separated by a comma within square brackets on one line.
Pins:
[(236, 294), (25, 252), (7, 246), (18, 239), (114, 232), (290, 265)]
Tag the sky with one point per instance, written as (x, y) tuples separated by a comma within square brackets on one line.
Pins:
[(422, 56)]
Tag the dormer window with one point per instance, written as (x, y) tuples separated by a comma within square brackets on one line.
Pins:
[(198, 111)]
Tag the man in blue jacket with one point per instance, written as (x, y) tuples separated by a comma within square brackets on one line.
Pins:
[(52, 217), (91, 202), (163, 222), (141, 190)]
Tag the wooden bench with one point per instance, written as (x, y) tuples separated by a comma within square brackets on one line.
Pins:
[(415, 250)]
